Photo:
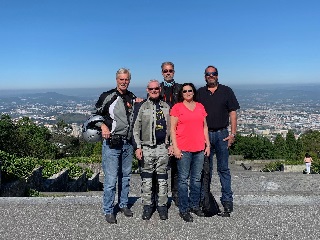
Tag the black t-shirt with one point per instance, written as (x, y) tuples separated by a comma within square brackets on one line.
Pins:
[(161, 124), (218, 105)]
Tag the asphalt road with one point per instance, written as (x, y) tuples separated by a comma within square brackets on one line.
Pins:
[(267, 206)]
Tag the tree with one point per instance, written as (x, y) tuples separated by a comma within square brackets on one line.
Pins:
[(34, 141), (279, 147), (291, 146), (253, 147), (7, 135), (310, 142)]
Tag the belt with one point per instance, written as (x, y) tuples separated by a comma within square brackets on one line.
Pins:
[(217, 129)]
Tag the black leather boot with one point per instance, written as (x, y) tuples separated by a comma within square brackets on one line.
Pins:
[(147, 212), (228, 208), (163, 212)]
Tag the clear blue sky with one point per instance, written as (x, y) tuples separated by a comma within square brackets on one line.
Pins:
[(77, 43)]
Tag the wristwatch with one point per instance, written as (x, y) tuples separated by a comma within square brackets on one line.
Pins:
[(233, 134)]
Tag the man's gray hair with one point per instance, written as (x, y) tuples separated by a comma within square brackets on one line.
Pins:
[(123, 71), (155, 81), (167, 63)]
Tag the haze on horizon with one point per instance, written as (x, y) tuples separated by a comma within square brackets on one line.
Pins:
[(66, 44)]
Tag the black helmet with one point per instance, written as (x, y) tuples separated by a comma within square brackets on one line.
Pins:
[(90, 132)]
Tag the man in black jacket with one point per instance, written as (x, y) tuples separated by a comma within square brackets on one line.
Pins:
[(169, 94), (116, 107)]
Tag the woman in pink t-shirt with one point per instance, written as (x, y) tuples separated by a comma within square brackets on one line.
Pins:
[(190, 140)]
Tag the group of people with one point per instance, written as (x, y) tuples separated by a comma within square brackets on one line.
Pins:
[(177, 126)]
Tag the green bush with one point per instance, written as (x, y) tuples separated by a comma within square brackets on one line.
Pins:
[(272, 167), (51, 167), (14, 168), (315, 166), (86, 160)]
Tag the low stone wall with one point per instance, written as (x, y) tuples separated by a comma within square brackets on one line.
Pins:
[(59, 182), (78, 185), (14, 189), (262, 161), (94, 183), (35, 181), (293, 168)]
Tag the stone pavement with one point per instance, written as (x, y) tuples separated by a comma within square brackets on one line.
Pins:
[(267, 206)]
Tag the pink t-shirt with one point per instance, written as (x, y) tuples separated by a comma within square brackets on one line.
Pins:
[(189, 131)]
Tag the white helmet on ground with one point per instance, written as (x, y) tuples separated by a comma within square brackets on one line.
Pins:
[(90, 132)]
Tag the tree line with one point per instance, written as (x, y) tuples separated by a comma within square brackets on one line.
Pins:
[(286, 148), (24, 138)]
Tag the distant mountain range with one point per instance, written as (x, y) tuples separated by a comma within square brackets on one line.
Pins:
[(267, 93)]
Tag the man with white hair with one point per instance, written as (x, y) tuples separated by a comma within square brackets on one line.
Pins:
[(151, 132)]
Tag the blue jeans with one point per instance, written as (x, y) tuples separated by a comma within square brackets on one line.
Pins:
[(220, 148), (189, 166), (116, 164)]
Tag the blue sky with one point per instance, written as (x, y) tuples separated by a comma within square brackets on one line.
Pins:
[(77, 43)]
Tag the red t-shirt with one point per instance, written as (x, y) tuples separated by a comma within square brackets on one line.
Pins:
[(189, 131)]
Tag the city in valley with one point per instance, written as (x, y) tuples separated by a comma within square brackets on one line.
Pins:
[(265, 110)]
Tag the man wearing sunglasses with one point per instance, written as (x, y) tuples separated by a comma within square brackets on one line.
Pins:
[(151, 131), (169, 94), (220, 104)]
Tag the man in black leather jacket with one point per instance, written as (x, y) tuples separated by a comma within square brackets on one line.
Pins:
[(169, 94)]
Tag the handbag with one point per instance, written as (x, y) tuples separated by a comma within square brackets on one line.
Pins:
[(209, 204)]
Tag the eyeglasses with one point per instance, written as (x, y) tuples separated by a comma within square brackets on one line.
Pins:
[(156, 88), (213, 73), (124, 79), (166, 70), (190, 90)]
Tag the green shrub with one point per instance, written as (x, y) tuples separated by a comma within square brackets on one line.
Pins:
[(51, 167), (135, 164), (14, 168), (271, 167)]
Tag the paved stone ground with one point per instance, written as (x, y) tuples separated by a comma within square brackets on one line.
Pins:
[(267, 206)]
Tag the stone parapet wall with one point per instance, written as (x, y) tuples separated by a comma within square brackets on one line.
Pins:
[(293, 168), (59, 182)]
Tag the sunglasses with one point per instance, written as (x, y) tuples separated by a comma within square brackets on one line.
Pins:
[(166, 70), (156, 88), (190, 90), (213, 73)]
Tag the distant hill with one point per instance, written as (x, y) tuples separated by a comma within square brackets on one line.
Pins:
[(44, 98), (245, 93)]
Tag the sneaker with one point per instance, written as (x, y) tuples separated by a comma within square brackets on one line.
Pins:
[(197, 211), (147, 212), (163, 212), (110, 218), (126, 211), (186, 216)]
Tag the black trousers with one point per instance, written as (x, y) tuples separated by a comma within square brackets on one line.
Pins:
[(174, 176)]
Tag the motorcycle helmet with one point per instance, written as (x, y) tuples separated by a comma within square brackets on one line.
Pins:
[(90, 132)]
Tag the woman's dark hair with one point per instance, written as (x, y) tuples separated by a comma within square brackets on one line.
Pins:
[(180, 94), (307, 155)]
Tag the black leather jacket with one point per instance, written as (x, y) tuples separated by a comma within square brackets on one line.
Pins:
[(172, 97)]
